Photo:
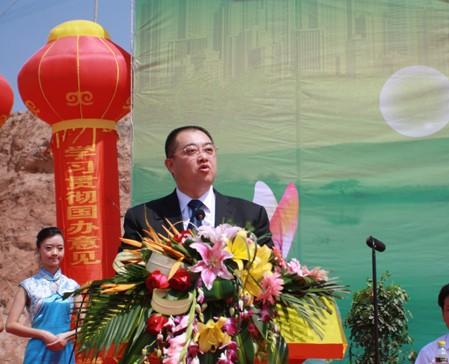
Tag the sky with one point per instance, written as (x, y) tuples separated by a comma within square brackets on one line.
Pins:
[(25, 25)]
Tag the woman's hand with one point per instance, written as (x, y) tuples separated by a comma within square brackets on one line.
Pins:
[(59, 343), (14, 326)]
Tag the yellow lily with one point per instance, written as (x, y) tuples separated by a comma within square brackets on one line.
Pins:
[(241, 249), (255, 272), (211, 335)]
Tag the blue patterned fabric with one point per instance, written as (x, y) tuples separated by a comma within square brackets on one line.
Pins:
[(48, 311)]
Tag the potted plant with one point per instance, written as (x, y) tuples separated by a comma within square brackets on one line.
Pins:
[(393, 324)]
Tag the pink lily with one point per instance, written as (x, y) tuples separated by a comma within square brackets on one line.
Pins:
[(222, 232), (212, 264)]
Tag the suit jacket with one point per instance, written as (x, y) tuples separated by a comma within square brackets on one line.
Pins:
[(232, 210)]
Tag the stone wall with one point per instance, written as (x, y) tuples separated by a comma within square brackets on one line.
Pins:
[(27, 203)]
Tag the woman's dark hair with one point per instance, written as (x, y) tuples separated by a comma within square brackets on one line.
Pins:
[(46, 233), (444, 292)]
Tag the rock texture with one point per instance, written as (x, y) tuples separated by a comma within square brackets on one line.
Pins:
[(27, 203)]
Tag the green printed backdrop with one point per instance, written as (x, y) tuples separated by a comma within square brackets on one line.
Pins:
[(347, 99)]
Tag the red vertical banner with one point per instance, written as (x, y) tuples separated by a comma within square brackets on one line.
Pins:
[(86, 180), (80, 83)]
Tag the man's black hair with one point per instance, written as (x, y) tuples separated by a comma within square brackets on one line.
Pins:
[(444, 292), (171, 138)]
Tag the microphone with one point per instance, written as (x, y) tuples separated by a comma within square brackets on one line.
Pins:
[(374, 243), (200, 214)]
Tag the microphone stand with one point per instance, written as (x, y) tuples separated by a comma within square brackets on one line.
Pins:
[(375, 244), (376, 313)]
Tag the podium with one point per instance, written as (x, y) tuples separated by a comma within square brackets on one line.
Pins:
[(304, 343)]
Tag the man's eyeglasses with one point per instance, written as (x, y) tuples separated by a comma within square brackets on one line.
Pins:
[(192, 150)]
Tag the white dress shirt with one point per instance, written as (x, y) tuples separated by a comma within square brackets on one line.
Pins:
[(208, 199), (427, 353)]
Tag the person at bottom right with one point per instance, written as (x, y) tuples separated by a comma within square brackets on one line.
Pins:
[(427, 353)]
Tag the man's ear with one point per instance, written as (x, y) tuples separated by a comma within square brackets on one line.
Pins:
[(169, 165)]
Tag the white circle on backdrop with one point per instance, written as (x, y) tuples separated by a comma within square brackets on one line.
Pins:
[(415, 101)]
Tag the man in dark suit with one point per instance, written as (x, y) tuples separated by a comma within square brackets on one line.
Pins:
[(191, 160)]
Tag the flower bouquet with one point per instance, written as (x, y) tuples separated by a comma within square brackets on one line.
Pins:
[(207, 296)]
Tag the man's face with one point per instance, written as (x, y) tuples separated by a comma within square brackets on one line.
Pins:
[(446, 311), (193, 163)]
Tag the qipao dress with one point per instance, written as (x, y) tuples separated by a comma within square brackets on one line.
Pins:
[(48, 311)]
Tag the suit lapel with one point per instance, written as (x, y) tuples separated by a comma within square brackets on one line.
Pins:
[(223, 209), (168, 208), (173, 212)]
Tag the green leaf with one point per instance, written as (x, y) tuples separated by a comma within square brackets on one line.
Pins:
[(134, 354), (189, 328), (208, 358), (278, 353), (245, 347), (221, 289), (111, 319)]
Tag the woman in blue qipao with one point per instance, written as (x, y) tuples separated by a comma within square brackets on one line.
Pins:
[(41, 294)]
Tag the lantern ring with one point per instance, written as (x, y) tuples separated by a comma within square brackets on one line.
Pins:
[(83, 124)]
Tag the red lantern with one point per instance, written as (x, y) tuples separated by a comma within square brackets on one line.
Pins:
[(6, 100), (79, 83)]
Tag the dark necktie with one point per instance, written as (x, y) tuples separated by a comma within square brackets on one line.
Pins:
[(196, 214)]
